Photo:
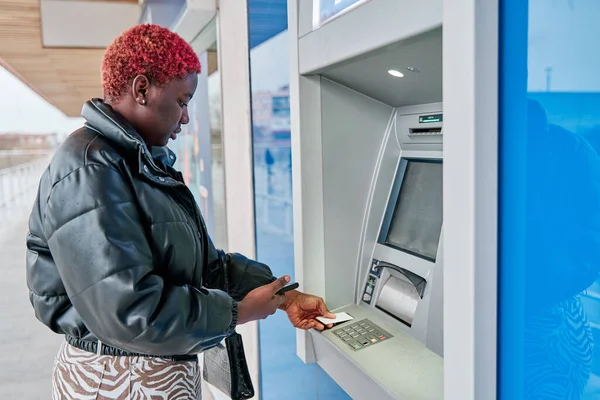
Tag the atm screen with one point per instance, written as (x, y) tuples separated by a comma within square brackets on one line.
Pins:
[(416, 223)]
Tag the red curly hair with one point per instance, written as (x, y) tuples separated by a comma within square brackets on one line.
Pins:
[(149, 50)]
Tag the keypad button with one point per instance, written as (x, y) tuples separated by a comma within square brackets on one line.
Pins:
[(361, 334)]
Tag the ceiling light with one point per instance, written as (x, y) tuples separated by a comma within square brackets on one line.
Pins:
[(413, 69), (395, 73)]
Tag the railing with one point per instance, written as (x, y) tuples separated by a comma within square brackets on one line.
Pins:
[(18, 186), (37, 152), (275, 215)]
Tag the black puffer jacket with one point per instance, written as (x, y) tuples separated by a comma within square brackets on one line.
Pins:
[(118, 251)]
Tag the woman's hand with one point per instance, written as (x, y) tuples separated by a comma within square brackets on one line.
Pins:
[(262, 301), (302, 310)]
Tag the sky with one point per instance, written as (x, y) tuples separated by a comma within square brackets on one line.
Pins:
[(559, 38), (23, 111)]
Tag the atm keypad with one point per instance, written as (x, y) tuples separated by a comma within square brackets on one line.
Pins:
[(361, 334)]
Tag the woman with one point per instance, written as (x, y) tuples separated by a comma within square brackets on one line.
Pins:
[(562, 257), (119, 260)]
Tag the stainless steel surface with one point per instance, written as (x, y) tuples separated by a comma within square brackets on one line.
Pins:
[(400, 298), (398, 368)]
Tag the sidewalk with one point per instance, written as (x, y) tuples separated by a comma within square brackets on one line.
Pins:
[(27, 347)]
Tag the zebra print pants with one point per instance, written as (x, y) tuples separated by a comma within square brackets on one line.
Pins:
[(82, 375), (559, 350)]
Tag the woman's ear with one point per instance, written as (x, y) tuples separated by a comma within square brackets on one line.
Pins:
[(139, 88)]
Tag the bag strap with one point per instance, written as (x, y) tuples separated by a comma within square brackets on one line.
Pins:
[(223, 264)]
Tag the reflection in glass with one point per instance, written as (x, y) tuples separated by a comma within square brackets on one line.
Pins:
[(283, 375), (550, 164), (330, 9), (216, 150), (199, 152)]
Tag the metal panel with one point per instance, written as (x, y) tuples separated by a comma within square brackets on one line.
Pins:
[(232, 28), (470, 54), (371, 26), (398, 368), (61, 29), (353, 127)]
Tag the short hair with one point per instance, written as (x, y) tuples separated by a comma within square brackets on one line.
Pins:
[(150, 50)]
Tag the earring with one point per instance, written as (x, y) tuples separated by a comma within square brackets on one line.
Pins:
[(142, 101)]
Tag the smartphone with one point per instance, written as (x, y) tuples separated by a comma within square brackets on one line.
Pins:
[(292, 286)]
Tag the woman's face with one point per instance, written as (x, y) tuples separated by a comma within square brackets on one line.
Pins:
[(161, 110)]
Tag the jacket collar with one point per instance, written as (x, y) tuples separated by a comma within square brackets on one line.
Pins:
[(164, 155), (113, 126), (102, 118)]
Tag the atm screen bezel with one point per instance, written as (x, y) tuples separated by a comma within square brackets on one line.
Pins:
[(392, 202)]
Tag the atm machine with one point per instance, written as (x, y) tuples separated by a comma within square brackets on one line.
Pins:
[(368, 161), (394, 344)]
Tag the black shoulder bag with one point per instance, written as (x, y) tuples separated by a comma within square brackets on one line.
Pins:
[(225, 366)]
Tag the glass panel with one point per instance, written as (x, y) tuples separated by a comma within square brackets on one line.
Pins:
[(283, 374), (219, 228), (330, 9), (417, 222), (200, 152), (162, 12), (550, 200)]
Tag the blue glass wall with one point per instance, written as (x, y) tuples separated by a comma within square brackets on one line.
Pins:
[(331, 8), (549, 337), (283, 375)]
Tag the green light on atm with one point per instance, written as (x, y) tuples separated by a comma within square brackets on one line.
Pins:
[(432, 120)]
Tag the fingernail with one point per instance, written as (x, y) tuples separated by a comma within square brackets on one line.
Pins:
[(286, 278)]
